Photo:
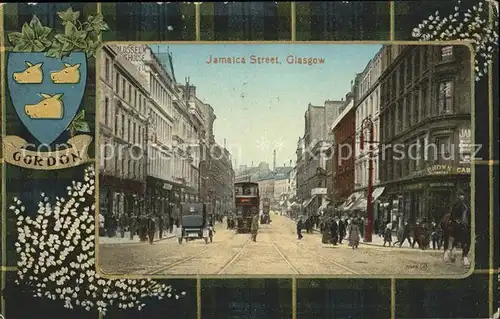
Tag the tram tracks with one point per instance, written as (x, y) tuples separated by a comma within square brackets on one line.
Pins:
[(210, 247), (328, 260), (233, 259)]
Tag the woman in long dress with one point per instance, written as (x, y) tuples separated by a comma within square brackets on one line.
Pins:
[(354, 235)]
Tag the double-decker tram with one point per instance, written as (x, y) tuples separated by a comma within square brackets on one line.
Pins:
[(247, 203)]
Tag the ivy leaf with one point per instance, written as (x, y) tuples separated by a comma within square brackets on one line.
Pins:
[(80, 116), (56, 50), (37, 46), (92, 47), (41, 32), (22, 46), (16, 38), (82, 127), (97, 23), (68, 16), (28, 33)]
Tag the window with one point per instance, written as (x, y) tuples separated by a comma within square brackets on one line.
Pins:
[(416, 107), (416, 64), (123, 126), (117, 83), (116, 122), (124, 83), (106, 69), (130, 93), (106, 111), (446, 53), (129, 128), (133, 134), (444, 97), (401, 76), (424, 101), (135, 98), (443, 148), (409, 68)]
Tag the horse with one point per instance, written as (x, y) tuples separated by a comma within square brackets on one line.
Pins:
[(454, 233)]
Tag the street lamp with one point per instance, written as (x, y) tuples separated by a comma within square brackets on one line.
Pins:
[(368, 124)]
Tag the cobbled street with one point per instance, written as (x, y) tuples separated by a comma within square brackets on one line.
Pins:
[(276, 252)]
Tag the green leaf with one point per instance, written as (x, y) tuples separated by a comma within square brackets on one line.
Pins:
[(70, 29), (56, 50), (82, 127), (68, 46), (28, 32), (80, 116), (97, 23), (38, 46), (62, 38), (41, 32), (92, 47), (68, 16), (23, 46), (15, 38), (81, 43)]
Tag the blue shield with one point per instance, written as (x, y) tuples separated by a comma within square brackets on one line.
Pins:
[(46, 92)]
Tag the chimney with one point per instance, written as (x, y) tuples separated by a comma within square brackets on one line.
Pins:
[(224, 143), (274, 160)]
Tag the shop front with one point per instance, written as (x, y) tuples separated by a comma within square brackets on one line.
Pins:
[(431, 194), (118, 196)]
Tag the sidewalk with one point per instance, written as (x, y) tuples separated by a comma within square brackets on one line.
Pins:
[(126, 240), (379, 241)]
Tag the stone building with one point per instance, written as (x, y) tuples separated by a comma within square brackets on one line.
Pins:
[(344, 135), (367, 110), (312, 153), (124, 105), (221, 177), (426, 112), (253, 173)]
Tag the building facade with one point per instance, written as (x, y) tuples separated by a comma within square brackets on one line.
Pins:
[(221, 179), (124, 99), (367, 111), (344, 132), (312, 153), (425, 109)]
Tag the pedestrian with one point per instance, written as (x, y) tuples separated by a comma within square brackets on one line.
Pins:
[(132, 226), (388, 234), (300, 225), (341, 227), (254, 227), (151, 229), (405, 234), (354, 234), (101, 225), (326, 236), (334, 232), (160, 226)]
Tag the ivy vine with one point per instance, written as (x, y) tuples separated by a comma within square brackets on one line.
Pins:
[(78, 35)]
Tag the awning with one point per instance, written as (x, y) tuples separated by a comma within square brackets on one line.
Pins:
[(377, 192), (323, 206), (360, 204), (349, 203), (309, 201)]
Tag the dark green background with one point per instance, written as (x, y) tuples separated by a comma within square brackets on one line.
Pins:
[(265, 298)]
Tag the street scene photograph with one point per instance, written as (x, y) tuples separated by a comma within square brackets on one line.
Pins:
[(285, 159)]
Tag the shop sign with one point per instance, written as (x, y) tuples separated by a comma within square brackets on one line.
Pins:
[(439, 169), (415, 186), (318, 191), (463, 170), (465, 145), (441, 184), (167, 186)]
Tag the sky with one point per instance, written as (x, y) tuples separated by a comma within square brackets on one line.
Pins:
[(260, 107)]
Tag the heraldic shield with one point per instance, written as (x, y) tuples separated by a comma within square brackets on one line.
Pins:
[(46, 92)]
